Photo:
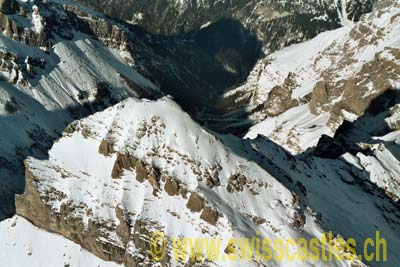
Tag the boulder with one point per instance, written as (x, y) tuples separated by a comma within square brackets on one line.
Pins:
[(171, 187), (209, 215), (106, 148), (195, 203), (141, 172)]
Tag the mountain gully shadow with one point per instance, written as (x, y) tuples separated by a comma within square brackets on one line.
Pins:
[(196, 69), (193, 68), (371, 124), (340, 196)]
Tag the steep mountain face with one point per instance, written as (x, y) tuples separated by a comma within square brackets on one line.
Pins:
[(23, 244), (45, 86), (191, 68), (97, 169), (60, 63), (370, 143), (111, 181), (276, 23), (159, 171), (306, 90)]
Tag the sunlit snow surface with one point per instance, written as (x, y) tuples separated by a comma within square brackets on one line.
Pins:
[(332, 56), (24, 245), (77, 169)]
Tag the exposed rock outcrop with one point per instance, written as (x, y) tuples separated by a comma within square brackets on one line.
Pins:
[(26, 35), (394, 120), (171, 187), (31, 206), (106, 148), (123, 162), (280, 98), (356, 94), (209, 215), (276, 23), (331, 79), (195, 203), (92, 237)]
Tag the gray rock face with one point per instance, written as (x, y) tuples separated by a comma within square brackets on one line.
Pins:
[(12, 29), (8, 6), (276, 23)]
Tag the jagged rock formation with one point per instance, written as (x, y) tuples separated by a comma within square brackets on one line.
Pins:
[(12, 29), (113, 178), (169, 172), (371, 141), (394, 120), (43, 89), (276, 23), (20, 70), (334, 77), (82, 62)]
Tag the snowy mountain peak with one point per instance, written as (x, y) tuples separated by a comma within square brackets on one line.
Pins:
[(151, 164), (329, 79), (100, 159)]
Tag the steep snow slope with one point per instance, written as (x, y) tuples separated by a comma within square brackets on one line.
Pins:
[(327, 80), (83, 62), (23, 244), (115, 177), (371, 143), (193, 67), (42, 90), (140, 166), (341, 194), (296, 129)]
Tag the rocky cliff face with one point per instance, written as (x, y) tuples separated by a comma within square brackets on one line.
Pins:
[(161, 171), (218, 58), (193, 68), (157, 176), (276, 23), (44, 87), (323, 155), (20, 31), (332, 78), (71, 61)]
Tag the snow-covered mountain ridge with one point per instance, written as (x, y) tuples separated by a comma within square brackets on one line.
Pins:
[(42, 91), (82, 62), (154, 171), (324, 156), (119, 175), (138, 169), (329, 79)]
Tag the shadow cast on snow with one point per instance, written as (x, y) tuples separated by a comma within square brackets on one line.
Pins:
[(340, 195), (203, 56)]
